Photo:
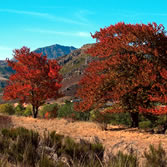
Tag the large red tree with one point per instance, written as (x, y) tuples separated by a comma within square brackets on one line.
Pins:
[(36, 79), (130, 68)]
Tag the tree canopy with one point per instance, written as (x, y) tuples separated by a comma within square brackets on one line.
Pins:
[(36, 79), (130, 69)]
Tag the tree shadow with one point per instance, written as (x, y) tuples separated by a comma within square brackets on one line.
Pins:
[(5, 121)]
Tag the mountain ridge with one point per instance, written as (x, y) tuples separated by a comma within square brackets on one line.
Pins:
[(55, 51)]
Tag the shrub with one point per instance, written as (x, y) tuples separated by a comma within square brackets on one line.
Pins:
[(101, 117), (51, 109), (148, 117), (7, 109), (53, 139), (19, 110), (20, 146), (84, 151), (145, 124), (28, 111), (161, 120), (156, 157), (154, 122), (120, 119), (66, 111), (82, 116)]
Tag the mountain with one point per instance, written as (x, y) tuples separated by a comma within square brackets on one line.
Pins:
[(55, 51)]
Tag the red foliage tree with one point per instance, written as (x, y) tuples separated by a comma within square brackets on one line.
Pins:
[(131, 68), (36, 79)]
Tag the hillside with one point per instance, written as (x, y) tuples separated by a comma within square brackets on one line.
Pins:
[(73, 66), (55, 51), (5, 72)]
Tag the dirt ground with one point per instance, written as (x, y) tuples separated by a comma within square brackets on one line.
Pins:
[(114, 139)]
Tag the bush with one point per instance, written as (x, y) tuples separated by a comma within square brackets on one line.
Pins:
[(7, 109), (161, 120), (121, 119), (157, 123), (49, 110), (20, 146), (82, 116), (19, 110), (145, 125), (84, 151), (101, 117), (67, 111), (53, 139), (148, 117), (156, 157), (28, 111)]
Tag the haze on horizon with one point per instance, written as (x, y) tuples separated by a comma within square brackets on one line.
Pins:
[(42, 23)]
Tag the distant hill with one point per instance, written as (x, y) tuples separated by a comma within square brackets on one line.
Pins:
[(55, 51)]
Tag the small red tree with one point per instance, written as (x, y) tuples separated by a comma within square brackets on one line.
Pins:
[(131, 69), (36, 79)]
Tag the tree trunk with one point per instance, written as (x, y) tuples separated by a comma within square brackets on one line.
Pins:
[(165, 124), (135, 119), (35, 111)]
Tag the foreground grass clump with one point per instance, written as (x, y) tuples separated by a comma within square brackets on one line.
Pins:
[(20, 146), (75, 153), (26, 148), (156, 157), (124, 160)]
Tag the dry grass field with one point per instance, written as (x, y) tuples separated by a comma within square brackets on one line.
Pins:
[(114, 139)]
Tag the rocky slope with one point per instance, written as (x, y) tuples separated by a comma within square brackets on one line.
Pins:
[(73, 66)]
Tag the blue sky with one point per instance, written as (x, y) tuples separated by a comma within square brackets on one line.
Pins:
[(39, 23)]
